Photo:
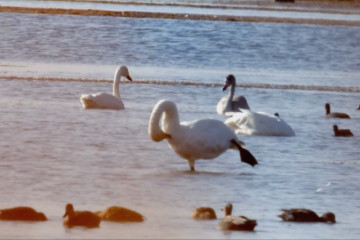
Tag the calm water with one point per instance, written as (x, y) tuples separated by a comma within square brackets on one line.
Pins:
[(53, 152)]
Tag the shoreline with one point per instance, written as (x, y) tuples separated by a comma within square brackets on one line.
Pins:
[(196, 84), (178, 16)]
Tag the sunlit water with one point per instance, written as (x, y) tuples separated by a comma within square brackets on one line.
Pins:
[(53, 152)]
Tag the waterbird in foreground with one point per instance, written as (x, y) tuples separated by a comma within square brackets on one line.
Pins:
[(230, 103), (21, 214), (106, 100), (203, 213), (193, 140), (258, 123), (80, 218), (342, 132), (235, 223), (330, 114), (306, 215), (120, 214)]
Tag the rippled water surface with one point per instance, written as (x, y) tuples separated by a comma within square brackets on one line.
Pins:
[(53, 152)]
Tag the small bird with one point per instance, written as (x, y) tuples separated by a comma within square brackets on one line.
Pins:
[(21, 214), (120, 214), (342, 132), (329, 114), (236, 223), (203, 213), (80, 218), (306, 215)]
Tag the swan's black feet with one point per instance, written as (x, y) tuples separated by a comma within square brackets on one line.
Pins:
[(245, 154)]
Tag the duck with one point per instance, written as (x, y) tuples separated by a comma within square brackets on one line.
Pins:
[(306, 215), (80, 218), (342, 132), (105, 100), (330, 114), (230, 103), (203, 213), (358, 108), (235, 223), (21, 213), (193, 140), (248, 122), (120, 214)]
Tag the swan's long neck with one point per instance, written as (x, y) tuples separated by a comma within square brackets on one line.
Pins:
[(116, 84), (232, 91), (170, 121), (231, 96)]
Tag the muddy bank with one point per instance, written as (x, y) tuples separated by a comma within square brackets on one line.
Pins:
[(135, 14)]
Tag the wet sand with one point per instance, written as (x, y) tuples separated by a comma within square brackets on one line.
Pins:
[(189, 83), (136, 14)]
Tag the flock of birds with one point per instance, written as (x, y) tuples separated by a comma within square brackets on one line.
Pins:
[(192, 140), (74, 218), (91, 219)]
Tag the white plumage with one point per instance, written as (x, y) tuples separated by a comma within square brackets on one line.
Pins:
[(106, 100), (258, 123), (199, 139)]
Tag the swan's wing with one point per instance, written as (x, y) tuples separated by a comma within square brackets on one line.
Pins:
[(258, 123), (221, 106), (240, 122), (270, 125), (103, 101), (240, 102), (202, 139)]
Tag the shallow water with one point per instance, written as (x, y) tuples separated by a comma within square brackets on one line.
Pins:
[(53, 152)]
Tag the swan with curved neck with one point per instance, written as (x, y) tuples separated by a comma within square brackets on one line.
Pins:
[(230, 103), (193, 140), (105, 100)]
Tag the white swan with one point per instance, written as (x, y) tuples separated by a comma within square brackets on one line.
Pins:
[(258, 123), (199, 139), (106, 100), (230, 103)]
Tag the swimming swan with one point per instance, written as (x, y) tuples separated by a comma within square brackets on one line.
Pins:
[(230, 103), (258, 123), (105, 100), (199, 139)]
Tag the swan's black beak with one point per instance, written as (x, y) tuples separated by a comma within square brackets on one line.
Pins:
[(128, 77), (225, 87)]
